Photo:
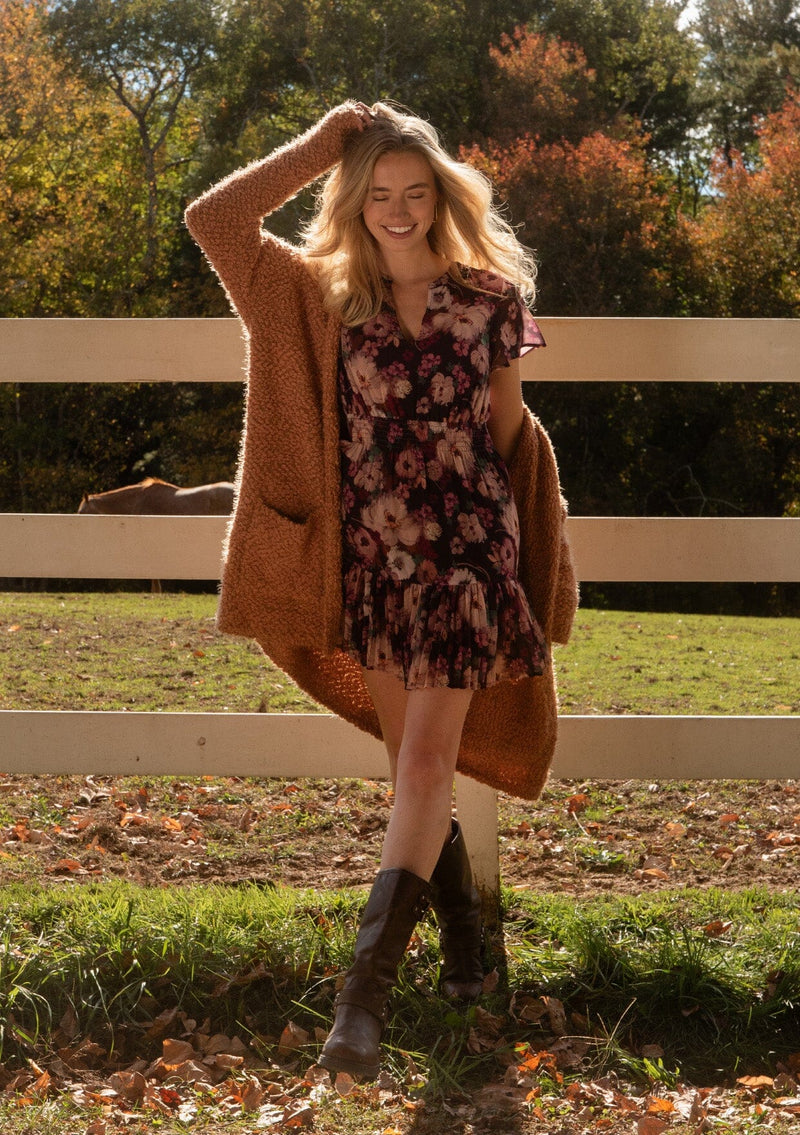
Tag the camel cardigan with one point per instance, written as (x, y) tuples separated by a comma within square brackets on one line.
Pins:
[(282, 580)]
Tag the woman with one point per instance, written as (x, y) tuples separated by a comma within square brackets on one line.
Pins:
[(384, 403)]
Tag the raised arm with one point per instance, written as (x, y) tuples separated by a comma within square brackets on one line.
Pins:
[(226, 220)]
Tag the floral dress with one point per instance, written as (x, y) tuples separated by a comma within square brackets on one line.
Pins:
[(430, 534)]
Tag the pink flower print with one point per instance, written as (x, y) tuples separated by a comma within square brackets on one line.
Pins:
[(348, 499), (394, 433), (504, 555), (367, 380), (426, 571), (455, 451), (399, 563), (461, 379), (409, 466), (471, 528), (419, 430), (401, 388), (370, 476), (461, 575), (388, 516), (431, 529), (479, 357), (360, 443), (457, 546), (442, 389), (450, 504), (480, 402), (365, 544), (463, 321), (428, 365), (424, 405), (480, 637), (508, 335), (495, 487), (435, 470), (509, 519), (382, 326)]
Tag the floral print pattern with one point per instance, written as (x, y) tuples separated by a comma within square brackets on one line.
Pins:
[(430, 534)]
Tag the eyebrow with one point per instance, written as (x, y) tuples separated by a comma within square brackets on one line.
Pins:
[(416, 185)]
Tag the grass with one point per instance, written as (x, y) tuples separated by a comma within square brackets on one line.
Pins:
[(629, 972), (162, 652), (690, 985)]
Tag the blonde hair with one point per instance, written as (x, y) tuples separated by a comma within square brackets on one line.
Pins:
[(468, 229)]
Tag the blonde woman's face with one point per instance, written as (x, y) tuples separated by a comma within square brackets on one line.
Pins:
[(401, 202)]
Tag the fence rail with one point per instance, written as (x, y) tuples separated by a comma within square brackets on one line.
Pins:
[(606, 549)]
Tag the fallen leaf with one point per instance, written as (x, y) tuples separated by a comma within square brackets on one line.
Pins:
[(344, 1083), (650, 1125), (715, 928), (292, 1037), (657, 1105), (176, 1051)]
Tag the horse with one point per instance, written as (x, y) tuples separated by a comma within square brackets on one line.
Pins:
[(153, 497)]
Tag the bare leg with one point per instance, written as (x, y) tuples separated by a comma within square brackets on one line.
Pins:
[(422, 730)]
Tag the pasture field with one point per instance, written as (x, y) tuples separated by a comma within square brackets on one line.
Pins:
[(169, 948)]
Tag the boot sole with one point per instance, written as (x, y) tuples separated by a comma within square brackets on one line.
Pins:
[(352, 1067)]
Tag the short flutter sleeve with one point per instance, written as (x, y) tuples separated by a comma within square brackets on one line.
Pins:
[(514, 331)]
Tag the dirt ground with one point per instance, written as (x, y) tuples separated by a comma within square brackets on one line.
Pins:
[(624, 837)]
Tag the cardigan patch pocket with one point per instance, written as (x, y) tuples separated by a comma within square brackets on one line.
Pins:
[(288, 568)]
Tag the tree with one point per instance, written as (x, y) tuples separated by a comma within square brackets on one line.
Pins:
[(746, 244), (65, 186), (543, 88), (594, 213), (751, 49), (644, 64), (146, 53)]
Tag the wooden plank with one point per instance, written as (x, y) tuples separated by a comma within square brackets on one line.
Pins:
[(666, 350), (579, 350), (671, 748), (686, 549), (256, 744), (121, 350), (320, 745), (605, 548), (60, 546), (80, 742), (477, 813)]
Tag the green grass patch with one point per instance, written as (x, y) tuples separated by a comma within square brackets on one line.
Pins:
[(162, 652), (712, 980)]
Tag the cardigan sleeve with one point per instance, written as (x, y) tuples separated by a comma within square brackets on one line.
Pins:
[(226, 220)]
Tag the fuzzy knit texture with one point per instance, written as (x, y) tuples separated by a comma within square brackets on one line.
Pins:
[(282, 574)]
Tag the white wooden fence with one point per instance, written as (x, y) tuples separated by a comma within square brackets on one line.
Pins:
[(606, 549)]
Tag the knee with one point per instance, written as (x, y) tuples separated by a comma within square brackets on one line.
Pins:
[(425, 767)]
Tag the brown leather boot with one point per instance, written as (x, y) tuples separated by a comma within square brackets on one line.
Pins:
[(457, 906), (396, 902)]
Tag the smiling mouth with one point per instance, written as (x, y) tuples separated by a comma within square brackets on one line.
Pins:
[(398, 230)]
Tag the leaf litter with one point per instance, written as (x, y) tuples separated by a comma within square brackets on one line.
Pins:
[(164, 832)]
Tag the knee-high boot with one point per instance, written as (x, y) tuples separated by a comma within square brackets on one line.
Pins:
[(396, 902), (457, 905)]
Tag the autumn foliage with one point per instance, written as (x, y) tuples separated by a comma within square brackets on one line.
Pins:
[(746, 244)]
